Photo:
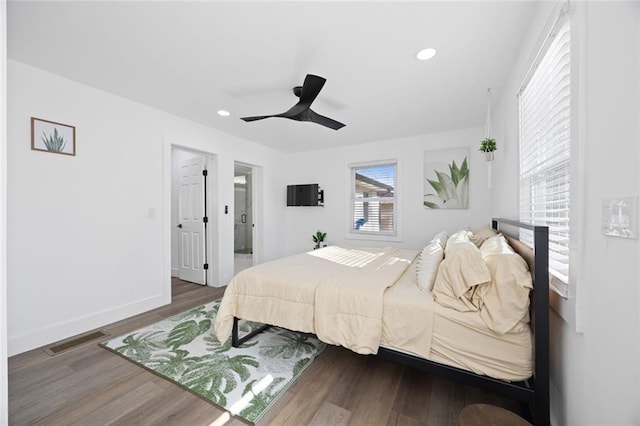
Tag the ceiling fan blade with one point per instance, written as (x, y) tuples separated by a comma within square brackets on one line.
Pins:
[(295, 111), (258, 117), (325, 121), (310, 88)]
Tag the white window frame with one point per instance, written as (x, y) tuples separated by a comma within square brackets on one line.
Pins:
[(351, 233), (558, 283), (568, 307)]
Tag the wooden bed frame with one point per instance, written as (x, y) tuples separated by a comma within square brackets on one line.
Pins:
[(534, 391)]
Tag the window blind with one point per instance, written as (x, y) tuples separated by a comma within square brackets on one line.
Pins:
[(545, 131), (374, 199)]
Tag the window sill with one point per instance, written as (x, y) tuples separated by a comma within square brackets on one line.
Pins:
[(372, 237)]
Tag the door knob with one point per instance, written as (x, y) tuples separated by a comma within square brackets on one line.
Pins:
[(179, 226)]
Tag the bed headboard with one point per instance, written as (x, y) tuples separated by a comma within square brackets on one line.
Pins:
[(538, 259)]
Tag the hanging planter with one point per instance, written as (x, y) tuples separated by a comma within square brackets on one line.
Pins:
[(488, 146)]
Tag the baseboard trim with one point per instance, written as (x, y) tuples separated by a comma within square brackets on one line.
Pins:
[(64, 330), (175, 272)]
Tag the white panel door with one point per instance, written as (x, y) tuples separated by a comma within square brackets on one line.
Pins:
[(190, 214)]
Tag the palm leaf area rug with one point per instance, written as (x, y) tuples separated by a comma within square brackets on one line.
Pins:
[(244, 381)]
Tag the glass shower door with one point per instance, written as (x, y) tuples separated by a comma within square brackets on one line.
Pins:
[(243, 220)]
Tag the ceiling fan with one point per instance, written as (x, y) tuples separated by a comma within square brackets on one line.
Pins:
[(302, 110)]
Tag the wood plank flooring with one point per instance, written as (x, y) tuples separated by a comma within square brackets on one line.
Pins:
[(89, 385)]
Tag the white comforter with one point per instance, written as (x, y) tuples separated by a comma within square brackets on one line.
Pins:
[(336, 293)]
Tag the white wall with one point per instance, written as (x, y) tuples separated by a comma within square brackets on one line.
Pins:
[(638, 130), (88, 236), (330, 168), (4, 394), (594, 373)]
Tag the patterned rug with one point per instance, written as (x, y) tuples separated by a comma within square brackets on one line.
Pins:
[(244, 381)]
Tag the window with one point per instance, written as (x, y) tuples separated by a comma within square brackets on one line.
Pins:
[(373, 199), (545, 123)]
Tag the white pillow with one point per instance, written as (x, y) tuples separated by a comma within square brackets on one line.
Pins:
[(442, 238), (427, 264)]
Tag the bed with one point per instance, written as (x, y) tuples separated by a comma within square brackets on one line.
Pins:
[(447, 317)]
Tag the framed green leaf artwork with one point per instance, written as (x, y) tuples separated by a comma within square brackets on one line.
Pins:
[(53, 137), (446, 179)]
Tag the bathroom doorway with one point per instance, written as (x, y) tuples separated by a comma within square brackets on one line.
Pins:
[(243, 222)]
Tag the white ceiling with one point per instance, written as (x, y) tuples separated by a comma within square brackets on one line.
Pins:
[(194, 58)]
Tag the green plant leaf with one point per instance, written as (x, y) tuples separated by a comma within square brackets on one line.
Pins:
[(319, 237), (462, 192), (447, 184), (140, 346), (172, 364), (260, 401), (288, 345), (185, 332), (54, 142), (438, 187), (217, 375), (455, 172), (464, 168), (431, 205), (488, 145)]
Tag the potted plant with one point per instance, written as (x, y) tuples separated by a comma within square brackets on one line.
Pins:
[(318, 238), (488, 146)]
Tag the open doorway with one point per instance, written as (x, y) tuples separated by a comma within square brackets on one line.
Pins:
[(243, 220)]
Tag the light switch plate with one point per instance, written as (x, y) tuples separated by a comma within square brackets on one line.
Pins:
[(619, 217)]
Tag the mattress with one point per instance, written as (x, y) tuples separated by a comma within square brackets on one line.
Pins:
[(412, 322)]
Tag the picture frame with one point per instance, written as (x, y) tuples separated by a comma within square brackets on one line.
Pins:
[(446, 179), (53, 137)]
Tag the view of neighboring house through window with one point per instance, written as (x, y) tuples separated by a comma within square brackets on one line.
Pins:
[(373, 195), (545, 124)]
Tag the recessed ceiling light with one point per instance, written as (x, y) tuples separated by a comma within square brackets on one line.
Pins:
[(224, 113), (425, 54)]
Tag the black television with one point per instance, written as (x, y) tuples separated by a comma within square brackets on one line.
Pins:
[(304, 195)]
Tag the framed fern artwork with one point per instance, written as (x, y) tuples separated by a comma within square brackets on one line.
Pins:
[(446, 179), (53, 137)]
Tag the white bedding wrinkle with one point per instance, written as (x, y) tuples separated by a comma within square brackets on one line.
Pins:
[(349, 307), (295, 291), (462, 277), (506, 303)]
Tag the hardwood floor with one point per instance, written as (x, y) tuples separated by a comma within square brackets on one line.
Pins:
[(89, 385)]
